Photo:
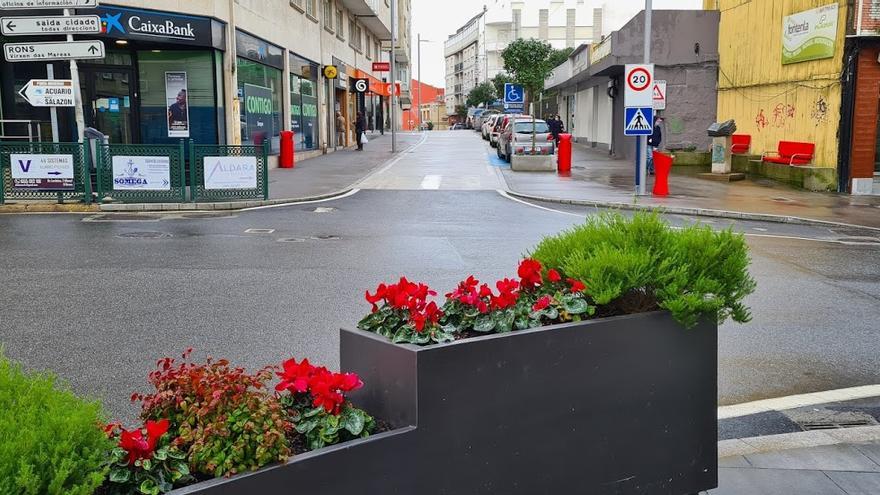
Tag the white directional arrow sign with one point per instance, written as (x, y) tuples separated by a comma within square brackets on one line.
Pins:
[(49, 93), (61, 50), (36, 25), (46, 4)]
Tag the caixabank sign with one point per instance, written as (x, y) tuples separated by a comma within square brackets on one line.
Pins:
[(159, 27)]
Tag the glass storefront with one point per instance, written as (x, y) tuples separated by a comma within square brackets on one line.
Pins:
[(260, 89), (304, 103)]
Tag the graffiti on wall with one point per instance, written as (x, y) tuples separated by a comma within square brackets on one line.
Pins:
[(760, 120), (820, 111), (781, 113)]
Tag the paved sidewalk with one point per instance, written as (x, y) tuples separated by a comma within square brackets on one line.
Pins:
[(842, 469), (335, 172), (598, 178)]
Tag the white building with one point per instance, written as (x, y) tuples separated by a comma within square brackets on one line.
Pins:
[(473, 53)]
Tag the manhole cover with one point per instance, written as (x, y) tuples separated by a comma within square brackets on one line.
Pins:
[(144, 235), (259, 231), (325, 237), (324, 209), (292, 239)]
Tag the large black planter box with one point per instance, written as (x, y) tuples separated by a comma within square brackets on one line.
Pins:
[(623, 405)]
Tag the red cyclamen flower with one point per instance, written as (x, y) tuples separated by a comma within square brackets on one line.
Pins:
[(295, 377), (553, 275), (542, 303), (529, 273), (137, 446), (576, 285)]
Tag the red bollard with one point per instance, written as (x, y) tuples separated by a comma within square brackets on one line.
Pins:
[(564, 155), (286, 159), (662, 167)]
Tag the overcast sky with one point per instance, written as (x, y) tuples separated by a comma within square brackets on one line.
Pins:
[(437, 19)]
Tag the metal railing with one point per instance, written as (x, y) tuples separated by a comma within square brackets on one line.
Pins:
[(21, 184), (31, 134), (213, 178), (141, 173)]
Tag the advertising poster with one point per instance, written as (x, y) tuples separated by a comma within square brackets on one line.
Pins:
[(809, 35), (42, 172), (230, 172), (178, 104), (141, 173), (259, 112)]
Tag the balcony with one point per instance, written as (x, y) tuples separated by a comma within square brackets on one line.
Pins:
[(372, 14)]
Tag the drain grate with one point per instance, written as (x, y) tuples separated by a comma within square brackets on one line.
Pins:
[(324, 209), (292, 239), (836, 425), (144, 235), (326, 237)]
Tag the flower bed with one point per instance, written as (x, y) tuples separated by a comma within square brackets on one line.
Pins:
[(574, 376)]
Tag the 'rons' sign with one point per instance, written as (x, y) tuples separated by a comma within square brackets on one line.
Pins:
[(156, 26)]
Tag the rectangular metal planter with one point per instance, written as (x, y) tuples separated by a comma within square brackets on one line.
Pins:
[(623, 405)]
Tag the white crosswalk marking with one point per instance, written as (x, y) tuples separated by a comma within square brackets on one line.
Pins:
[(431, 182)]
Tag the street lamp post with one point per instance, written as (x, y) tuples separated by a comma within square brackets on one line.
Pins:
[(641, 190), (393, 78), (419, 78)]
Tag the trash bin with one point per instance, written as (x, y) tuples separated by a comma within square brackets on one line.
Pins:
[(286, 159), (662, 168), (564, 155), (721, 134)]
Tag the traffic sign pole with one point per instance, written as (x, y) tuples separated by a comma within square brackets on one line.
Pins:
[(53, 111), (77, 92), (642, 150)]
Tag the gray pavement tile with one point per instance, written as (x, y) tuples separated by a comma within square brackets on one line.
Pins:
[(856, 483), (870, 450), (737, 461), (825, 457), (742, 481)]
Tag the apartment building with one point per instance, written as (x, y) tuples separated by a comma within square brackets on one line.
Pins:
[(473, 52), (248, 70)]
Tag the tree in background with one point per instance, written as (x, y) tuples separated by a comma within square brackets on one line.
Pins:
[(461, 112), (483, 93), (530, 62), (499, 81)]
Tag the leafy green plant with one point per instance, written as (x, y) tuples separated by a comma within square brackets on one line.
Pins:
[(223, 418), (640, 264), (50, 440), (144, 461)]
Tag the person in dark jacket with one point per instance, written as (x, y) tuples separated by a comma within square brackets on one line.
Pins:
[(653, 143), (360, 127)]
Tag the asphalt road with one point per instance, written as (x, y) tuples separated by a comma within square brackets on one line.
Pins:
[(99, 299)]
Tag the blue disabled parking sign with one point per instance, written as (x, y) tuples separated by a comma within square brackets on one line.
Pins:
[(514, 93), (638, 121)]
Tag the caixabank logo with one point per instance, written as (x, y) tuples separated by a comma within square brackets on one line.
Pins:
[(131, 23)]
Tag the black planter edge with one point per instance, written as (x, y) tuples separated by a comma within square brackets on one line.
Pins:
[(208, 485)]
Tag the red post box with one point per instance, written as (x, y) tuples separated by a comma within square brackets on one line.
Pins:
[(662, 167), (286, 159), (564, 155)]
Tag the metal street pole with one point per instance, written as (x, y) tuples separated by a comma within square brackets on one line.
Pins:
[(393, 78), (77, 95), (643, 140), (419, 83)]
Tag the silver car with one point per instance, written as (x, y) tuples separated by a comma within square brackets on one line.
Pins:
[(488, 124), (526, 137)]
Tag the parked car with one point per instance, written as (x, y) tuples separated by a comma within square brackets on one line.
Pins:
[(482, 119), (517, 138), (457, 127), (488, 123), (500, 124)]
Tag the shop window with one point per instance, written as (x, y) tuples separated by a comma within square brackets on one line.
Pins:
[(259, 89), (304, 102), (189, 70)]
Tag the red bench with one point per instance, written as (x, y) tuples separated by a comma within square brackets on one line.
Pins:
[(741, 143), (791, 153)]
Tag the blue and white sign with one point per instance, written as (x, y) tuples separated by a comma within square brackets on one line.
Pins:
[(514, 93), (141, 173), (638, 121), (230, 172)]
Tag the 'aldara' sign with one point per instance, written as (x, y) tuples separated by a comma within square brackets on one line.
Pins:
[(809, 35)]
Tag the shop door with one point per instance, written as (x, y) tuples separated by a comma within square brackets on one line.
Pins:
[(109, 102)]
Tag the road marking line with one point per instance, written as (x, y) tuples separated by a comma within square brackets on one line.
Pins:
[(508, 196), (334, 198), (431, 182), (795, 401), (259, 231)]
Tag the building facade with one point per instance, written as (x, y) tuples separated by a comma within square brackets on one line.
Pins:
[(423, 94), (589, 85), (473, 53), (243, 70)]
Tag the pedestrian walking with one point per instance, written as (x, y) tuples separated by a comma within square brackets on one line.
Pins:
[(653, 143), (557, 128), (360, 127), (340, 129)]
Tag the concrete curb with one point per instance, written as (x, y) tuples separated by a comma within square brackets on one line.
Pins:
[(700, 212), (785, 441), (47, 208), (224, 206)]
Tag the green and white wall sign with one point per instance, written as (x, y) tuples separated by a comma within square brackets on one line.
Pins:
[(809, 35)]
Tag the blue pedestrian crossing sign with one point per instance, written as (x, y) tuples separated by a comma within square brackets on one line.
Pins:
[(638, 121)]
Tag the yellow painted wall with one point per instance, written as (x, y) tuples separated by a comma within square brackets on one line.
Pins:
[(771, 101)]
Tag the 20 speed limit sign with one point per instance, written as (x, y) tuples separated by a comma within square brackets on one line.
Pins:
[(639, 85)]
